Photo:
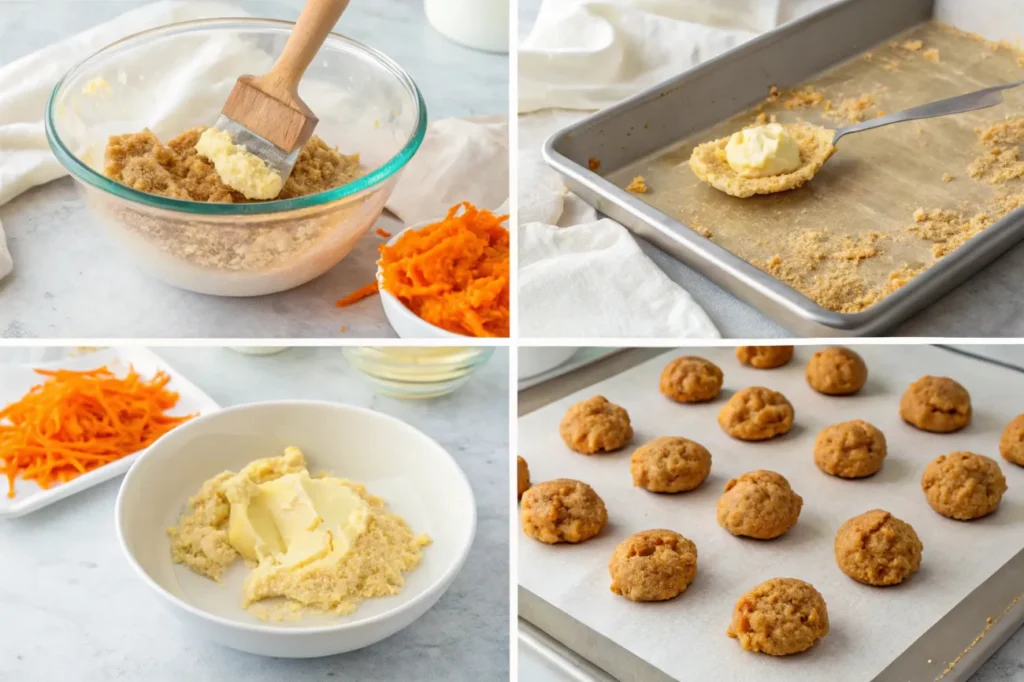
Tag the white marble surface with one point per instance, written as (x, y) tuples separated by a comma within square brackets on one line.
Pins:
[(72, 609), (70, 281)]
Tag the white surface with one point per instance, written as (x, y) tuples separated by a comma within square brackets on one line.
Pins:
[(480, 24), (413, 474), (17, 379), (957, 556)]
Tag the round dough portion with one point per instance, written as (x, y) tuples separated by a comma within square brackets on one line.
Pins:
[(876, 548), (595, 425), (759, 504), (963, 485), (852, 449), (779, 617), (836, 371), (936, 404), (1011, 445), (653, 565), (764, 357), (708, 162), (756, 413), (670, 465), (523, 476), (691, 379), (562, 510)]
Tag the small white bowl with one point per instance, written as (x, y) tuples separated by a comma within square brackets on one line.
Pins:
[(416, 477), (534, 361)]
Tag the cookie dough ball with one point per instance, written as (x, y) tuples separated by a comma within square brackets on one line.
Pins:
[(691, 380), (759, 504), (963, 485), (936, 404), (595, 425), (852, 449), (562, 510), (1011, 445), (779, 617), (653, 565), (756, 413), (836, 371), (764, 357), (876, 548), (523, 474), (670, 465)]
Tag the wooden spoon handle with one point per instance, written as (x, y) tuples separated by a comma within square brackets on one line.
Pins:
[(316, 21)]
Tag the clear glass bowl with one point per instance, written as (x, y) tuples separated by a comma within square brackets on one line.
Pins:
[(176, 77), (410, 372)]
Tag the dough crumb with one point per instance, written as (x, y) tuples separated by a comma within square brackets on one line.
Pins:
[(594, 164), (946, 177), (913, 45), (638, 186), (931, 54)]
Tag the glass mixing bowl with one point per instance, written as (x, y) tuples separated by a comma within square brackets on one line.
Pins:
[(417, 372), (177, 77)]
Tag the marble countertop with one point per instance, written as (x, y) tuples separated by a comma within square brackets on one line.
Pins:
[(70, 281), (72, 609)]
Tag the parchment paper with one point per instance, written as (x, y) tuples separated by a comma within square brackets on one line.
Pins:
[(870, 626)]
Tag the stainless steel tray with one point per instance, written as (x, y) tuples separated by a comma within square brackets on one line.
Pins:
[(658, 118)]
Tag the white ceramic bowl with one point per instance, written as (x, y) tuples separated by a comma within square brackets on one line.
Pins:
[(419, 480), (534, 361)]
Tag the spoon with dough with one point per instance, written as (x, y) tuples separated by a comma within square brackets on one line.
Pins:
[(775, 157)]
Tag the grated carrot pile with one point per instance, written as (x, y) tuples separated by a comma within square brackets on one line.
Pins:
[(75, 422), (454, 273)]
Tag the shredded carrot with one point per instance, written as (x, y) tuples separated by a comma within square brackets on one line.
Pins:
[(75, 422), (359, 294), (342, 329), (454, 273), (381, 232)]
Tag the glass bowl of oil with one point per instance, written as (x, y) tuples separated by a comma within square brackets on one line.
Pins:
[(417, 372)]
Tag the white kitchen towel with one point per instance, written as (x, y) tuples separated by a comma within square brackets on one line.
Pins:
[(598, 267)]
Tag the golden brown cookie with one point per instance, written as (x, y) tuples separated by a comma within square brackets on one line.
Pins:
[(523, 476), (936, 404), (653, 565), (595, 425), (876, 548), (836, 371), (963, 485), (852, 449), (759, 504), (764, 357), (756, 413), (1011, 445), (690, 379), (562, 510), (779, 617), (670, 465)]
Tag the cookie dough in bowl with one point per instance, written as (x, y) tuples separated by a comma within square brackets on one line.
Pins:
[(756, 413), (562, 510), (689, 379), (876, 548), (653, 565), (852, 449), (836, 371), (779, 617), (670, 465), (963, 485), (759, 504), (936, 404), (595, 425)]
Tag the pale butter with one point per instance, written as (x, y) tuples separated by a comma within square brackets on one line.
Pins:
[(762, 151), (238, 169)]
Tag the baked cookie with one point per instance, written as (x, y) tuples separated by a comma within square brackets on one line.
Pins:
[(653, 565), (690, 379), (1011, 445), (759, 504), (836, 371), (670, 465), (936, 404), (779, 617), (963, 485), (523, 476), (756, 413), (876, 548), (595, 425), (764, 357), (852, 449), (562, 510)]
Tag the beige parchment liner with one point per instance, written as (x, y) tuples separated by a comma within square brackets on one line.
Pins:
[(892, 201), (870, 626)]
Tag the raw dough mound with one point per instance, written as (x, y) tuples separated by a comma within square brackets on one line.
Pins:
[(653, 565), (595, 425), (836, 371), (963, 485), (764, 357), (759, 504), (852, 449), (1011, 445), (690, 379), (779, 617), (936, 404), (756, 413), (562, 510), (708, 163), (670, 465), (876, 548), (523, 476)]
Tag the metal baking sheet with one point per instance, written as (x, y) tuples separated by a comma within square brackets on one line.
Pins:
[(648, 125), (940, 626)]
